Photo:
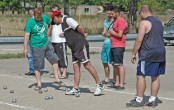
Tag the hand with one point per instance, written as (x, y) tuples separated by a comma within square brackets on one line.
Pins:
[(86, 34), (103, 33), (25, 53), (133, 59), (111, 30), (61, 34)]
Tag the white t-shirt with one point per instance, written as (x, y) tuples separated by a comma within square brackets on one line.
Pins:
[(56, 30)]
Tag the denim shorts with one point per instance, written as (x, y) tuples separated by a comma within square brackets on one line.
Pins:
[(117, 55), (39, 55)]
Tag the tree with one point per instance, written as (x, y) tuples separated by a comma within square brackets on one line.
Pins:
[(2, 6)]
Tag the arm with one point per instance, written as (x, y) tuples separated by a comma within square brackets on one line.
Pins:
[(26, 39), (138, 42), (81, 31), (49, 30), (115, 34)]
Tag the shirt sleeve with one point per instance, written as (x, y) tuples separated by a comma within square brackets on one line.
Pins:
[(72, 23), (121, 25), (48, 20), (105, 25), (28, 26)]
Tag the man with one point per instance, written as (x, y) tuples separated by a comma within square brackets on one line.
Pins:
[(118, 43), (152, 56), (75, 39), (59, 45), (105, 53), (36, 31), (30, 56)]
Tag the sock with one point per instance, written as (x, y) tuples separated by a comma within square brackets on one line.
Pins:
[(152, 98), (139, 99)]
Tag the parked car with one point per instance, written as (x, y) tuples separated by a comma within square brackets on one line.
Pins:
[(169, 32)]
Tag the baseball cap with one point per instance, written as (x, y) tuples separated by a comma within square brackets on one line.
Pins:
[(55, 13)]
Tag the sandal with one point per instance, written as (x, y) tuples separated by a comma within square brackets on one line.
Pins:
[(37, 88), (60, 83), (62, 77)]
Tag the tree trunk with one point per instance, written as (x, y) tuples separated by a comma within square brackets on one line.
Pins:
[(132, 16), (66, 6)]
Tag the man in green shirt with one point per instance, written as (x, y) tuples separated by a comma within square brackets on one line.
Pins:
[(36, 32)]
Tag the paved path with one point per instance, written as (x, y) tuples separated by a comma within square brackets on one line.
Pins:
[(12, 75)]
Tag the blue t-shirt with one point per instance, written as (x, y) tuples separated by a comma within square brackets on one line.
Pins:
[(107, 25)]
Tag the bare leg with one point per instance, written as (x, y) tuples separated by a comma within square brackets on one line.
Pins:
[(107, 71), (38, 79), (92, 70), (116, 76), (155, 86), (76, 68), (56, 72), (121, 72), (141, 86), (64, 72)]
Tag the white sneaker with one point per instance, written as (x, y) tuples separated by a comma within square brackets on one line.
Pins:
[(98, 90), (73, 91)]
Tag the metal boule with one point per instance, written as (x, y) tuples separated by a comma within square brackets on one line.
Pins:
[(45, 90), (46, 98), (14, 100), (12, 91), (4, 87), (50, 97)]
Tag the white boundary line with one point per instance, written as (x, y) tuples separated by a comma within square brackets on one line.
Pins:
[(18, 106), (109, 90)]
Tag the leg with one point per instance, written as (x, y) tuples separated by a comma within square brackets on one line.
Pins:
[(30, 60), (107, 71), (121, 72), (56, 72), (76, 67), (64, 72), (38, 79), (92, 70), (141, 86), (116, 76), (155, 86)]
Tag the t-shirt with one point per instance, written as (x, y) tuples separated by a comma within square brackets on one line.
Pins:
[(107, 25), (38, 31), (56, 30), (119, 24)]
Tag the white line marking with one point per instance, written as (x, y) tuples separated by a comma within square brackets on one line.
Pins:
[(18, 106), (11, 49), (96, 47), (109, 90)]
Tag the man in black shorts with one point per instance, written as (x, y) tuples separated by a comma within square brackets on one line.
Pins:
[(75, 39)]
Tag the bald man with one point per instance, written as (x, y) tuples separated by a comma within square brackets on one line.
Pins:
[(152, 57)]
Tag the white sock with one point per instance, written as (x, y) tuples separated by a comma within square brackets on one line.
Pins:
[(152, 98), (139, 99)]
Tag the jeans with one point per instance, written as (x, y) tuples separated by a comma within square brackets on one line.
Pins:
[(30, 59)]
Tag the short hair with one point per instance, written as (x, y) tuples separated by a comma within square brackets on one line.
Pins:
[(108, 7), (115, 9), (55, 5), (37, 11), (146, 8)]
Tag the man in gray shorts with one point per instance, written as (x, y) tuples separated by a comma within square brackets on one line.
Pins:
[(36, 32)]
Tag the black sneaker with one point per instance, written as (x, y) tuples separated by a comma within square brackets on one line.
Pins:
[(134, 103), (28, 74), (105, 82), (119, 88), (151, 104), (111, 84)]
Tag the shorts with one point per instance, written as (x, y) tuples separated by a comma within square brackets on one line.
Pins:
[(61, 50), (81, 55), (146, 68), (106, 53), (117, 55), (40, 53)]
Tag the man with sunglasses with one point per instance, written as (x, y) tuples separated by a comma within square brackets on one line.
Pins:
[(152, 56)]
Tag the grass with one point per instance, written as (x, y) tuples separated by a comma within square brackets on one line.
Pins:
[(10, 55), (21, 55)]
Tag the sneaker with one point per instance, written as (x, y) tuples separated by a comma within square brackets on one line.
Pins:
[(105, 82), (98, 89), (73, 91), (111, 85), (151, 104), (134, 103)]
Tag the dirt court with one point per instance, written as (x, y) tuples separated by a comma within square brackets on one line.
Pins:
[(12, 75)]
